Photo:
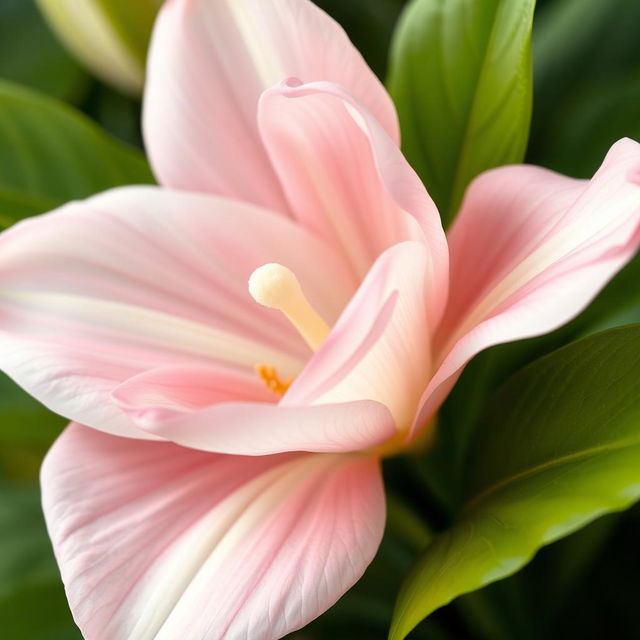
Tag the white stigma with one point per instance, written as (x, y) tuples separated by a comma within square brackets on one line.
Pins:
[(275, 286)]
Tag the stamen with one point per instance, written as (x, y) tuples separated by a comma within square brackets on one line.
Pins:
[(271, 378), (275, 286)]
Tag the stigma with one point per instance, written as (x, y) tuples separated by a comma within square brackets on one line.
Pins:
[(275, 286)]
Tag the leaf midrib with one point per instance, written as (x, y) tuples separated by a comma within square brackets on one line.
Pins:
[(481, 497)]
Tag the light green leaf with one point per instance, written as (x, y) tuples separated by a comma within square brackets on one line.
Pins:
[(50, 154), (462, 81), (559, 447)]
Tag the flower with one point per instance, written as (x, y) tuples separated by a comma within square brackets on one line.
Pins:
[(226, 483)]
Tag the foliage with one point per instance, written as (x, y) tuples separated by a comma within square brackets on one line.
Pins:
[(462, 82)]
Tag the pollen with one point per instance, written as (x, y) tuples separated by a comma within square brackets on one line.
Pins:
[(272, 380)]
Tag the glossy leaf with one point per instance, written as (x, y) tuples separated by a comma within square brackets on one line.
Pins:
[(559, 447), (50, 154), (462, 81)]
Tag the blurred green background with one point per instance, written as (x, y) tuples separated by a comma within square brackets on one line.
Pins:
[(587, 95)]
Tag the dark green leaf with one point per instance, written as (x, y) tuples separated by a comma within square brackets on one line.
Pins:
[(559, 447), (50, 154), (461, 79)]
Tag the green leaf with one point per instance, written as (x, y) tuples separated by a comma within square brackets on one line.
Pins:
[(49, 154), (462, 81), (32, 601), (558, 447)]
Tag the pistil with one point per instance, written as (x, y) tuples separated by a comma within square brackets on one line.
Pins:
[(275, 286)]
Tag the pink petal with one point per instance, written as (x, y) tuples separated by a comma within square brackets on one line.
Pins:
[(529, 250), (142, 278), (158, 542), (168, 392), (190, 410), (345, 178), (380, 348), (209, 62)]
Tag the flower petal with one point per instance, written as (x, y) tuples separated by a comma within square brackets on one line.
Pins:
[(380, 347), (209, 62), (141, 278), (168, 392), (345, 178), (529, 250), (195, 408), (157, 542)]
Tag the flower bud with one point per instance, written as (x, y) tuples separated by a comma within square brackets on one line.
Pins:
[(110, 37)]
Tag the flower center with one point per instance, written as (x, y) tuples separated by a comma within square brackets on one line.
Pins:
[(275, 286), (270, 377)]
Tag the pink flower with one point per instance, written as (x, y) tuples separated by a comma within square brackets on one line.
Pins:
[(210, 499)]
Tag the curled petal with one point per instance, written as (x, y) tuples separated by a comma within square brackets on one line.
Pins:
[(345, 178), (380, 346), (157, 542), (209, 62), (529, 250), (194, 407)]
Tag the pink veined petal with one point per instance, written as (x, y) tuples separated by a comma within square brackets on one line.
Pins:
[(529, 250), (345, 178), (186, 411), (209, 62), (380, 347), (172, 391), (158, 542), (141, 278)]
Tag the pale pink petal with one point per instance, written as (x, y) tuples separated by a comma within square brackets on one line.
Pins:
[(529, 250), (141, 278), (345, 178), (168, 392), (158, 542), (380, 347), (209, 62), (193, 411)]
